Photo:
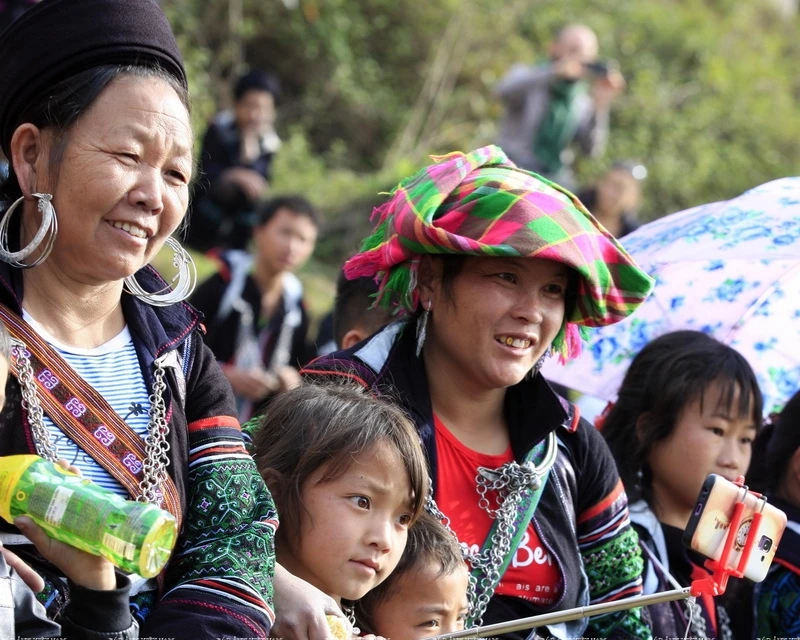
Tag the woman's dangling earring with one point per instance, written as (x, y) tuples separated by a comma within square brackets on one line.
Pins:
[(422, 326), (186, 277), (540, 362), (49, 226)]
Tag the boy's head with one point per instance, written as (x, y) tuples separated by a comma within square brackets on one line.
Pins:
[(285, 234), (426, 595), (255, 95), (353, 319), (5, 358)]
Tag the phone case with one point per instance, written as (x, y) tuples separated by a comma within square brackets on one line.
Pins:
[(708, 526)]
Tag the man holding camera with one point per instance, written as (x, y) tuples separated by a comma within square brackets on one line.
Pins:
[(550, 106)]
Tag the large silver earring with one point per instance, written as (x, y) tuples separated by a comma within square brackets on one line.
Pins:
[(49, 226), (422, 327), (540, 362), (186, 277)]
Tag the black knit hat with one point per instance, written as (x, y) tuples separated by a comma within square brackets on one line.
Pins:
[(58, 38)]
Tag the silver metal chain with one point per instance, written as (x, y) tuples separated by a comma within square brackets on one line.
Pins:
[(156, 459), (509, 483), (156, 444), (509, 489), (350, 613), (31, 404)]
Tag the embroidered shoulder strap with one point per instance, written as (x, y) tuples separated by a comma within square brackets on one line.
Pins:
[(84, 415)]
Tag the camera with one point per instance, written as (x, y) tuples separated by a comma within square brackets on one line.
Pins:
[(600, 68), (765, 544)]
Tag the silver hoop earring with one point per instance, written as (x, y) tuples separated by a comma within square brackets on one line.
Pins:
[(540, 362), (186, 280), (422, 327), (49, 228)]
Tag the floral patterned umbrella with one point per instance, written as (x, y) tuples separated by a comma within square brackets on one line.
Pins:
[(730, 269)]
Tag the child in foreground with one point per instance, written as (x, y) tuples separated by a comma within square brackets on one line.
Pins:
[(426, 595), (349, 479), (689, 406)]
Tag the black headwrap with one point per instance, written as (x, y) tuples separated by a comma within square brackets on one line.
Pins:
[(59, 38)]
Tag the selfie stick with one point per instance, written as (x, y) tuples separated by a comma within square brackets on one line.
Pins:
[(714, 585), (491, 630)]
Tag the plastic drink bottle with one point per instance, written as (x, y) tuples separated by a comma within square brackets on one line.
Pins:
[(135, 536)]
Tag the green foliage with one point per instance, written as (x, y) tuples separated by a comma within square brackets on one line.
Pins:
[(374, 86)]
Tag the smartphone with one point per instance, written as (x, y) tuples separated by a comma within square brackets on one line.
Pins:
[(708, 527)]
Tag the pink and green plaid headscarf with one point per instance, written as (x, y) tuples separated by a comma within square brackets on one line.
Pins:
[(482, 204)]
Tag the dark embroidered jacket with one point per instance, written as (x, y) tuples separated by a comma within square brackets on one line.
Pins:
[(778, 597), (219, 581), (582, 518)]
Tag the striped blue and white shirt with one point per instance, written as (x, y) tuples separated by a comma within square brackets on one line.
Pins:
[(113, 370)]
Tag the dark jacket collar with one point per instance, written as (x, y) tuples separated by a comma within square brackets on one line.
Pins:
[(157, 329)]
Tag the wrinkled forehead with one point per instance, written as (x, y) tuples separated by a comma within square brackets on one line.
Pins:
[(144, 110)]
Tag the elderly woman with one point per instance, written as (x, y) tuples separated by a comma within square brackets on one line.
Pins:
[(110, 371), (500, 268)]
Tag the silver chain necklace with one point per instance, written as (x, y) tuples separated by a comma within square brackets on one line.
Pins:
[(156, 445), (510, 482), (350, 613)]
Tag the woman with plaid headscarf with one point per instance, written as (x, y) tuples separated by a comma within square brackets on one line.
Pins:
[(496, 268)]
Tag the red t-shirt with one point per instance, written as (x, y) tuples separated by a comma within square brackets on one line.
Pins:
[(533, 573)]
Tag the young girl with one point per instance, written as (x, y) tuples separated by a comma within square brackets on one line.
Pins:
[(776, 473), (689, 406), (349, 479)]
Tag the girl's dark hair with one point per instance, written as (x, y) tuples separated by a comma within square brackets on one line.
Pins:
[(429, 544), (63, 104), (668, 374), (326, 426), (774, 448)]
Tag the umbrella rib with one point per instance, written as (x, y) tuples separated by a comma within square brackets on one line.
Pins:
[(758, 302)]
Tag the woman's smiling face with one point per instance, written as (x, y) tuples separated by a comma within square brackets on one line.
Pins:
[(496, 319), (123, 180)]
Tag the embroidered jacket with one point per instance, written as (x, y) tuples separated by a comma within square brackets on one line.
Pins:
[(582, 518), (777, 599), (219, 581)]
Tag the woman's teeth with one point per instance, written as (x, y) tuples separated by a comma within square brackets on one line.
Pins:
[(136, 232), (519, 343)]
